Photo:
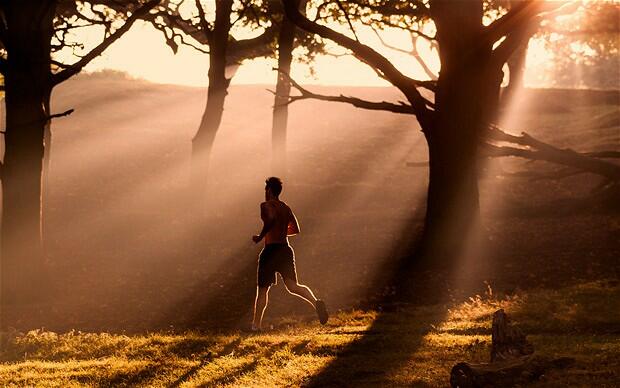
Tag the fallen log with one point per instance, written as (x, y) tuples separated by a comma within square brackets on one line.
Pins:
[(507, 373), (538, 150), (512, 360)]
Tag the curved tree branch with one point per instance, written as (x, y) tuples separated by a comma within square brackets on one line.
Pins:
[(348, 19), (519, 13), (259, 46), (413, 52), (538, 150), (357, 102), (365, 53), (520, 23), (79, 65)]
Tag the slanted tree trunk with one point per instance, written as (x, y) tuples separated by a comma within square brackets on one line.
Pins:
[(466, 97), (516, 69), (202, 143), (286, 40), (28, 89)]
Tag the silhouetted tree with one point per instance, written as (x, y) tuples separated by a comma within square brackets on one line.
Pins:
[(226, 54), (286, 38), (289, 38), (215, 30), (31, 33), (466, 93)]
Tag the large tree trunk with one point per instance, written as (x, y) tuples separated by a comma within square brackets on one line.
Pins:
[(466, 97), (28, 88), (202, 143)]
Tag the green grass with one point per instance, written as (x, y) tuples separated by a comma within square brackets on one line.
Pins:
[(412, 346)]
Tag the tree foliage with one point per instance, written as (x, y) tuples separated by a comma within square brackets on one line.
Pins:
[(585, 46)]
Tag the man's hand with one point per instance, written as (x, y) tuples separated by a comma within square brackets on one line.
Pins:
[(256, 238)]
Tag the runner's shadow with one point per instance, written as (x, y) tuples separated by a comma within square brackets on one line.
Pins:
[(383, 350), (388, 344)]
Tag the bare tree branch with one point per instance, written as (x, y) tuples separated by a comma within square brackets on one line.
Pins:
[(257, 47), (520, 13), (45, 119), (79, 65), (520, 24), (413, 52), (369, 56), (174, 27), (175, 21), (406, 28), (357, 102), (203, 19), (56, 115), (346, 16), (538, 150), (59, 64), (386, 44)]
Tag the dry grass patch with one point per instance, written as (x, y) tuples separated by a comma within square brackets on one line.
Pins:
[(410, 346)]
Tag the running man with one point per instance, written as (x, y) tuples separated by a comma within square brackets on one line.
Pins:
[(279, 223)]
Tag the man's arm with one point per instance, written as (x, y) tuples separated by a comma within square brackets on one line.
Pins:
[(293, 225), (268, 219)]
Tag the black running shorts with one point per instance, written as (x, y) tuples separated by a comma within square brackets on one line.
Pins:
[(275, 258)]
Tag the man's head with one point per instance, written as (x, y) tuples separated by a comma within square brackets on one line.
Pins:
[(273, 187)]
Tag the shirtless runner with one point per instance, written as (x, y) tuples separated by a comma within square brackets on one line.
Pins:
[(277, 255)]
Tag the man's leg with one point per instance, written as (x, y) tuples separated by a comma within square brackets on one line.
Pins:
[(260, 304), (304, 292)]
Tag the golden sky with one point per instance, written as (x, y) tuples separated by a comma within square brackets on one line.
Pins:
[(143, 53)]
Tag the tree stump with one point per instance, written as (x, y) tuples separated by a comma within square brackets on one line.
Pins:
[(512, 360), (508, 341)]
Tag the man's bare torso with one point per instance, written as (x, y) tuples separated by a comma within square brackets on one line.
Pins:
[(282, 219)]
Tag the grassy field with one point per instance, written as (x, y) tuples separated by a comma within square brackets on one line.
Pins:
[(407, 346)]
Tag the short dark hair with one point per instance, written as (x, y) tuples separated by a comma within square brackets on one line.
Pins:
[(274, 184)]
